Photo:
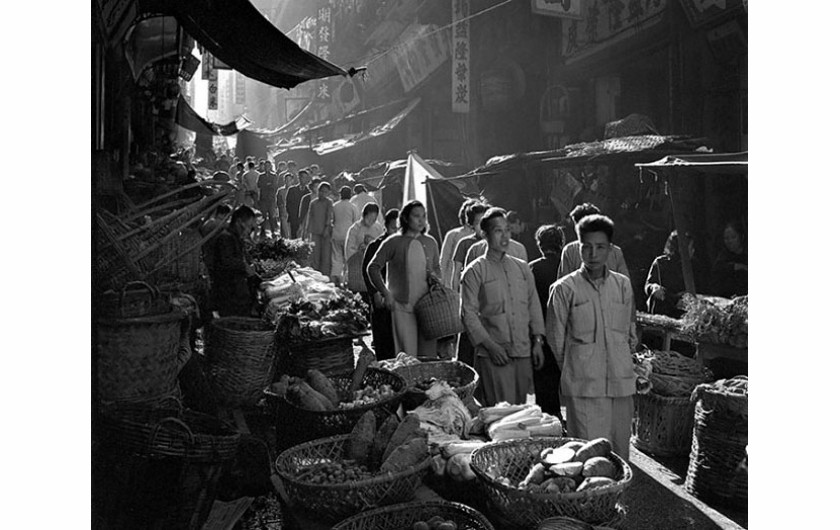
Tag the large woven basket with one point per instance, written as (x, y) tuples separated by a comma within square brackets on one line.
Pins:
[(296, 425), (138, 357), (240, 356), (329, 356), (160, 468), (439, 312), (442, 371), (514, 458), (403, 516), (135, 299), (334, 502), (717, 469), (663, 425)]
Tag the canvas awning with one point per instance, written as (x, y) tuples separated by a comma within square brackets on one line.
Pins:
[(188, 118), (237, 34)]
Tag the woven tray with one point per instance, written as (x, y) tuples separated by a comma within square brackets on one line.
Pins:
[(402, 516), (717, 470), (296, 425), (663, 425), (334, 502), (442, 371), (514, 458)]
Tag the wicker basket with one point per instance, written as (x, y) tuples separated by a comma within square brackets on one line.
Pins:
[(717, 468), (334, 502), (568, 523), (295, 425), (240, 355), (442, 371), (514, 458), (355, 274), (161, 468), (135, 299), (439, 312), (329, 356), (663, 425), (402, 516), (138, 357)]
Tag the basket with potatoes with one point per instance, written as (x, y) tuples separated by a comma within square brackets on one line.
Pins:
[(531, 479)]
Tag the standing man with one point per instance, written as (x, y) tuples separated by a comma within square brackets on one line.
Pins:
[(570, 259), (522, 233), (380, 316), (345, 215), (303, 210), (267, 184), (232, 278), (319, 227), (361, 197), (501, 312), (250, 181), (450, 240), (280, 198), (459, 257), (293, 197), (591, 331)]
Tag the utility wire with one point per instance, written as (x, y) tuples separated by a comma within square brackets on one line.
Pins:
[(424, 35)]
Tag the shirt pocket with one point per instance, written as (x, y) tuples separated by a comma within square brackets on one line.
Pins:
[(519, 290), (493, 297), (619, 316), (583, 322)]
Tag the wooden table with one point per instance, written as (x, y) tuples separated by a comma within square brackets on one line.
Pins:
[(667, 334)]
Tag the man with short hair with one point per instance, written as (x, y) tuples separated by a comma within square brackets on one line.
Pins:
[(521, 233), (380, 316), (459, 257), (570, 259), (267, 184), (345, 215), (233, 280), (303, 211), (451, 239), (361, 197), (590, 323), (280, 198), (501, 312), (319, 227), (250, 182), (293, 197)]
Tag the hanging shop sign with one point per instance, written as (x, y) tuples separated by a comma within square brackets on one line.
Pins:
[(460, 56), (702, 12), (239, 91), (557, 8), (213, 90), (607, 23), (422, 49), (323, 36)]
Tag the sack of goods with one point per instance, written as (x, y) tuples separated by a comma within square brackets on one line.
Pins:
[(672, 374)]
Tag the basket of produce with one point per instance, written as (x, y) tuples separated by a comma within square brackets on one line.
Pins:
[(430, 515), (326, 406), (339, 476), (240, 357), (717, 466), (439, 312), (673, 374), (276, 256), (528, 480), (421, 376), (716, 320), (330, 355), (663, 424), (138, 357), (568, 523), (160, 468)]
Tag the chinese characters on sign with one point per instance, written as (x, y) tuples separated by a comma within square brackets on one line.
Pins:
[(213, 90), (422, 50), (460, 56), (323, 39), (239, 80)]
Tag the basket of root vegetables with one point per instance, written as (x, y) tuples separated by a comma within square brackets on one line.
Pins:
[(336, 477), (317, 406), (528, 480)]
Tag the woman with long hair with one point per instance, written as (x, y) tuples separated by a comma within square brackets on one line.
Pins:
[(411, 257)]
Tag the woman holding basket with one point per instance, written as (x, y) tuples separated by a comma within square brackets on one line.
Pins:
[(412, 258)]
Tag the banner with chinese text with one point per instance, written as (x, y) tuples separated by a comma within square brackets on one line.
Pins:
[(213, 90), (422, 49), (239, 93), (460, 56)]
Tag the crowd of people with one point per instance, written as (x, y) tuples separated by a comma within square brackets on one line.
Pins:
[(560, 325)]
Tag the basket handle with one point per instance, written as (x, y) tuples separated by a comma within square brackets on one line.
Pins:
[(174, 421), (153, 292)]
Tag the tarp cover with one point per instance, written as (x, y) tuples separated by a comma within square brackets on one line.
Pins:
[(236, 33), (188, 118)]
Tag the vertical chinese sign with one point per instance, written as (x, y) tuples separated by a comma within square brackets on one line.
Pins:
[(239, 95), (460, 56), (213, 90), (323, 40)]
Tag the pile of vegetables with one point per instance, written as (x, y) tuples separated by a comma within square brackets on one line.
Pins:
[(504, 421), (716, 320), (342, 314), (282, 250), (402, 359), (317, 393), (443, 415), (735, 386), (434, 523), (572, 467), (393, 447), (452, 459), (670, 373)]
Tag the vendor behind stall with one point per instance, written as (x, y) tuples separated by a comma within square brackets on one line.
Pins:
[(665, 284), (729, 272), (232, 277)]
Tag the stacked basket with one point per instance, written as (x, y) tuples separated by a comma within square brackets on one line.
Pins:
[(664, 417), (160, 468), (329, 356), (524, 509), (240, 355), (717, 468), (403, 516)]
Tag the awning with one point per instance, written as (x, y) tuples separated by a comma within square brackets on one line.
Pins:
[(188, 118), (702, 162), (236, 33), (330, 146)]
